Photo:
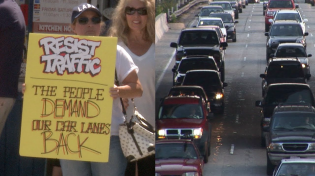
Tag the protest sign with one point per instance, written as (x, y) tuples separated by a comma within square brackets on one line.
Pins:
[(67, 106)]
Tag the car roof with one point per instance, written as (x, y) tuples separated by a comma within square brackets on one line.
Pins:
[(279, 22), (298, 160), (290, 44), (198, 57), (278, 59), (202, 70), (225, 13), (288, 84), (219, 2), (212, 6), (210, 18), (198, 29), (294, 108), (287, 11)]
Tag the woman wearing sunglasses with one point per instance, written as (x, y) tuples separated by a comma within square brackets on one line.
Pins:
[(133, 22), (86, 20)]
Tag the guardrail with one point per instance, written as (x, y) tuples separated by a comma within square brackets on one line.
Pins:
[(183, 9)]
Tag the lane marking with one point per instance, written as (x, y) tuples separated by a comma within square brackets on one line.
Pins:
[(247, 35), (244, 58), (242, 74), (164, 70), (232, 149), (236, 119), (246, 46), (248, 26)]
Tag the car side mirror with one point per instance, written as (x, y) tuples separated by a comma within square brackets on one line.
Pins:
[(270, 21), (306, 34), (297, 6), (223, 44), (258, 103), (262, 75), (225, 84), (309, 55), (266, 33), (235, 21), (173, 45)]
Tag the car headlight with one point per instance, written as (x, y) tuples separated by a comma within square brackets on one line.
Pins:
[(270, 13), (218, 96), (311, 147), (190, 174), (274, 147), (303, 65), (161, 134), (197, 133)]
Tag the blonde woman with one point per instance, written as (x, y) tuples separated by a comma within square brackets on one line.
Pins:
[(133, 22)]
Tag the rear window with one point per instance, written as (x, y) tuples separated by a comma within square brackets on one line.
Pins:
[(207, 22), (280, 4), (226, 18), (193, 64), (291, 52), (198, 38), (178, 111), (288, 16), (202, 79), (207, 11), (286, 30), (293, 121), (225, 6)]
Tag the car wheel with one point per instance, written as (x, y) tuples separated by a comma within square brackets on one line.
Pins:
[(244, 6), (263, 13), (234, 40), (206, 154), (266, 27), (262, 141), (236, 16), (313, 3), (270, 167), (241, 10), (267, 55), (222, 70)]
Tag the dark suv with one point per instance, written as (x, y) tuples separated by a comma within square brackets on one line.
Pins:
[(192, 63), (210, 81), (282, 93), (181, 117), (282, 70), (291, 134), (194, 41), (284, 32), (285, 50)]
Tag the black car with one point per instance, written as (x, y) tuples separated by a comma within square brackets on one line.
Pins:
[(200, 41), (210, 81), (284, 32), (236, 8), (192, 63), (189, 90), (283, 70), (229, 24), (297, 50), (282, 93), (291, 134)]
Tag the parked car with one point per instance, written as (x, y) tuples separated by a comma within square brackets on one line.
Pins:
[(194, 41), (295, 166), (212, 21), (273, 6), (282, 70), (229, 24), (291, 134), (190, 90), (177, 157), (226, 5), (282, 93), (297, 50), (284, 32), (192, 63), (295, 15), (181, 117), (211, 82)]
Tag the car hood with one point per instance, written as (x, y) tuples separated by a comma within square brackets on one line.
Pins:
[(298, 136), (285, 39), (229, 25), (179, 123), (176, 164)]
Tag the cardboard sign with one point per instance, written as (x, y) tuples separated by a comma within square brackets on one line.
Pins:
[(67, 106)]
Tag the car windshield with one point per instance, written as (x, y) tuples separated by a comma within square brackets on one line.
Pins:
[(193, 64), (225, 6), (178, 111), (175, 151), (307, 169), (198, 37), (286, 30), (210, 22), (288, 16), (288, 95), (280, 4), (226, 18), (293, 121), (285, 70), (291, 52), (207, 11), (209, 81)]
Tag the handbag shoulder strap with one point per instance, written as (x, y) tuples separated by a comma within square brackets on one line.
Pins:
[(122, 104)]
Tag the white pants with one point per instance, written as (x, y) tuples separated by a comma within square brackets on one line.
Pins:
[(6, 104)]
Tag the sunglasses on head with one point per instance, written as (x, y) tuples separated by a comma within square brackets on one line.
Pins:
[(85, 20), (140, 11)]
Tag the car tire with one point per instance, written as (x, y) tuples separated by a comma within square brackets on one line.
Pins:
[(222, 70), (262, 141), (206, 159), (270, 166), (313, 3), (241, 10), (234, 40), (244, 6), (236, 16), (263, 13), (266, 27), (307, 1)]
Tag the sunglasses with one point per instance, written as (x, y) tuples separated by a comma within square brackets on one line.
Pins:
[(140, 11), (85, 20)]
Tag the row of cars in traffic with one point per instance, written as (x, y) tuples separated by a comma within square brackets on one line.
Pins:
[(287, 105), (183, 119)]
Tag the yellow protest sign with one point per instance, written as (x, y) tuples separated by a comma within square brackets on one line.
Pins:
[(67, 107)]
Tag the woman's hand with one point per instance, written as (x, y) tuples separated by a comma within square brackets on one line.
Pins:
[(114, 92), (23, 88)]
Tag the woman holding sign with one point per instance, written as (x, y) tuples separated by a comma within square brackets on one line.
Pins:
[(86, 20), (133, 22)]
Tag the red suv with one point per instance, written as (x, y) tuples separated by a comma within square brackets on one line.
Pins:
[(273, 6), (182, 117)]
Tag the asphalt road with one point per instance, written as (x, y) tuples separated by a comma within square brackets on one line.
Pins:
[(245, 60)]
